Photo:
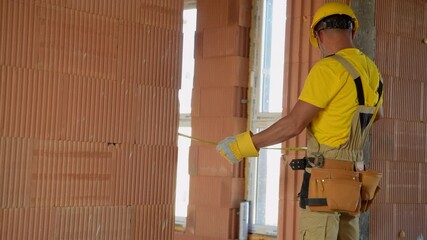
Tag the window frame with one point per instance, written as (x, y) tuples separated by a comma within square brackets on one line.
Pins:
[(259, 119)]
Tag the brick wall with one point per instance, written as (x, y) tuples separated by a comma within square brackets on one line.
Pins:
[(88, 118)]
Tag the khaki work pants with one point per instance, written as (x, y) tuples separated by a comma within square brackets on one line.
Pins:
[(328, 226)]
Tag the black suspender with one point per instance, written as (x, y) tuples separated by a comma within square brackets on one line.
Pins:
[(380, 91), (360, 93)]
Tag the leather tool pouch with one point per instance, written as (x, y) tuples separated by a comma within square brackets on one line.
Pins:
[(370, 186), (334, 190)]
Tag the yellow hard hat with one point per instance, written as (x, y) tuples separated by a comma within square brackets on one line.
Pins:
[(329, 9)]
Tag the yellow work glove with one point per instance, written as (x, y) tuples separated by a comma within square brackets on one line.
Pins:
[(235, 148)]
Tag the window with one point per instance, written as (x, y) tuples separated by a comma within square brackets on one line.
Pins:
[(182, 182), (267, 83)]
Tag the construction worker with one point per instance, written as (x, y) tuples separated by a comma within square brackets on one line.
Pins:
[(340, 100)]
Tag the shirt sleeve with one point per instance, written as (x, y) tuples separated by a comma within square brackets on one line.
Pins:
[(322, 84)]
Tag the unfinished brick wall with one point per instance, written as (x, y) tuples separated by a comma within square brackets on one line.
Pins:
[(88, 118), (399, 141)]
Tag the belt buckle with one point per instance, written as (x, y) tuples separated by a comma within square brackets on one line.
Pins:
[(319, 160)]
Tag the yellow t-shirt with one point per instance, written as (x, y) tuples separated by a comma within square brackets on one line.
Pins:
[(330, 86)]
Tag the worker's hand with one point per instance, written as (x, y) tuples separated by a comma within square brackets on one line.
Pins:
[(235, 148)]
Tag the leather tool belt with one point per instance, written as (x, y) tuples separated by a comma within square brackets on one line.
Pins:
[(336, 187)]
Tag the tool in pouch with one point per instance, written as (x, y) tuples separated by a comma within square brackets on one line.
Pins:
[(331, 185)]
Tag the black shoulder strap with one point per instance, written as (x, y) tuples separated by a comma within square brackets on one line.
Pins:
[(380, 90)]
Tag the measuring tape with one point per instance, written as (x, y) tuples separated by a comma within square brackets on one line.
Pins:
[(215, 143)]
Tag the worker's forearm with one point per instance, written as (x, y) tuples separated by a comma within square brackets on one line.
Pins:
[(279, 132), (288, 126)]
